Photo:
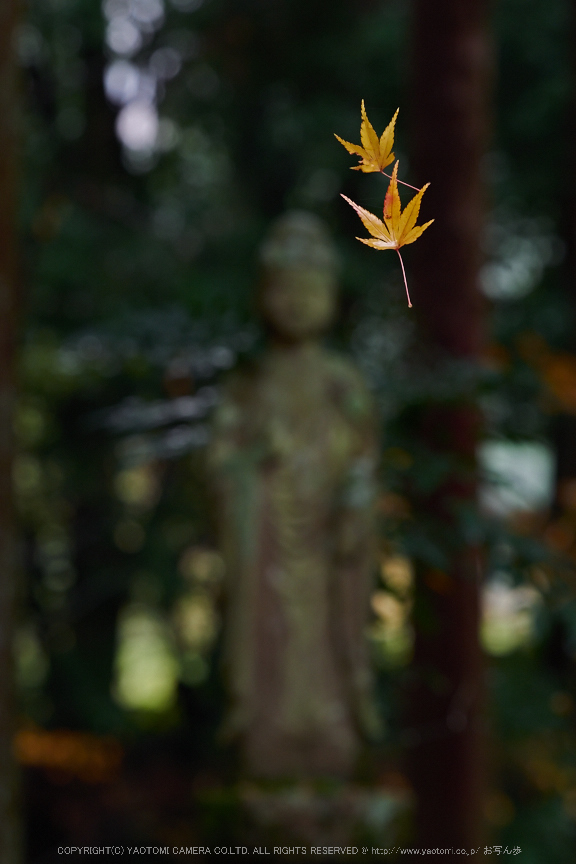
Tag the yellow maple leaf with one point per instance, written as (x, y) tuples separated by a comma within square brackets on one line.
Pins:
[(376, 153), (398, 228)]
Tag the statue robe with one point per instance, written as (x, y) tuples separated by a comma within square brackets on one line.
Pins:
[(293, 458)]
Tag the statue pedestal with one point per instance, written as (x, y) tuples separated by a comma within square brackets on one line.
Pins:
[(309, 814)]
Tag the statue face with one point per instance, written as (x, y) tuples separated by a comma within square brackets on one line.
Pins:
[(298, 303)]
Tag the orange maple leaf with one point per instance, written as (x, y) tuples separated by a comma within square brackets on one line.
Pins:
[(398, 228), (376, 153)]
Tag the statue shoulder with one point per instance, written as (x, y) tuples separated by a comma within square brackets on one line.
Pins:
[(236, 392), (348, 387), (238, 384)]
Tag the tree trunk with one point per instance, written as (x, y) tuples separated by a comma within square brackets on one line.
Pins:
[(10, 849), (449, 104)]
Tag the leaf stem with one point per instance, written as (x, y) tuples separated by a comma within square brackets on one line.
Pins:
[(400, 181), (405, 280)]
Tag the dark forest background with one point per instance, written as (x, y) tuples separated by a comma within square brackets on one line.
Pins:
[(146, 145)]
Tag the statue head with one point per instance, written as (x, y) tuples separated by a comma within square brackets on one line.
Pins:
[(298, 293)]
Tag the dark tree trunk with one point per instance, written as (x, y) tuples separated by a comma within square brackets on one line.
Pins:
[(452, 61), (9, 819)]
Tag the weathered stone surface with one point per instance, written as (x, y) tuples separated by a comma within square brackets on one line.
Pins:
[(292, 458)]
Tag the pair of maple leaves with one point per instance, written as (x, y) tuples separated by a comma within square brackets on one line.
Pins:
[(398, 228)]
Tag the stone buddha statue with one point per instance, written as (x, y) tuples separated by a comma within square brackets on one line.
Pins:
[(292, 460)]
